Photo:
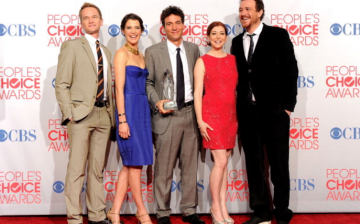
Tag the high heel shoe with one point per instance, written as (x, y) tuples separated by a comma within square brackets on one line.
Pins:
[(229, 220), (138, 218), (109, 217), (214, 221)]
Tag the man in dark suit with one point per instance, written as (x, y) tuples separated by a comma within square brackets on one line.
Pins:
[(83, 91), (267, 90), (176, 132)]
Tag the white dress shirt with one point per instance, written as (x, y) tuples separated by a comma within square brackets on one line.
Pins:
[(246, 39), (92, 43), (246, 43), (172, 52)]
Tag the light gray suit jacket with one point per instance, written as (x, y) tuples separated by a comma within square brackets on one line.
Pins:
[(157, 60), (76, 80)]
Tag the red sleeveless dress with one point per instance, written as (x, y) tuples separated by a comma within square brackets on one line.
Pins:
[(219, 101)]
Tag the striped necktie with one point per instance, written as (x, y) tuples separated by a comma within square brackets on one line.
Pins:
[(100, 90)]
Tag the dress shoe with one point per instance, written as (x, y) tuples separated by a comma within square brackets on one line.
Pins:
[(257, 220), (164, 220), (192, 219), (282, 222)]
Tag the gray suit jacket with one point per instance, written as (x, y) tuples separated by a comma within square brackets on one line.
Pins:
[(76, 80), (157, 60)]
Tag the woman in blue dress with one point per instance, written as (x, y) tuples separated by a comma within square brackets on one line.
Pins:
[(133, 118)]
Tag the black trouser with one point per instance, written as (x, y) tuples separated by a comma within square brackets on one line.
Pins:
[(258, 128)]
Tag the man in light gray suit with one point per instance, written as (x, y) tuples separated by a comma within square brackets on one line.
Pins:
[(175, 131), (83, 91)]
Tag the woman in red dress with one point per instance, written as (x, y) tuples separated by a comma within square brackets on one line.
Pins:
[(215, 106)]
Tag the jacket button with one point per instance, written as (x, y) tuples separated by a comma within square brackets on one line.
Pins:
[(249, 71)]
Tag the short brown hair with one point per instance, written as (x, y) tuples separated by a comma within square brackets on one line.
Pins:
[(172, 10), (259, 4), (212, 25), (86, 5)]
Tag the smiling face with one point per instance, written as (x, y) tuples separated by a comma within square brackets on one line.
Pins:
[(174, 28), (132, 31), (91, 21), (217, 37), (249, 17)]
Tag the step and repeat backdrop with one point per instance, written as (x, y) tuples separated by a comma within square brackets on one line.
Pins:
[(325, 127)]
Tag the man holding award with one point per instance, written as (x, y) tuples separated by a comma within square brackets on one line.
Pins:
[(169, 88)]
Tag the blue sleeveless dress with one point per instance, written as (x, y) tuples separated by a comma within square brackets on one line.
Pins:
[(138, 149)]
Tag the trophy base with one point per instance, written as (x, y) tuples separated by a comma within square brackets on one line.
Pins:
[(170, 105)]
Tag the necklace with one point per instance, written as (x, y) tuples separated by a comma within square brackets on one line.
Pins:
[(132, 50)]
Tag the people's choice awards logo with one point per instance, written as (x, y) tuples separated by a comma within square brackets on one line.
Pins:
[(20, 83), (20, 187), (237, 186), (342, 81), (17, 30), (195, 29), (345, 133), (348, 29), (304, 133), (62, 28), (303, 28), (343, 185), (58, 136)]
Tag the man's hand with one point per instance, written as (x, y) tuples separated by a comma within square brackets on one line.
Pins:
[(160, 106)]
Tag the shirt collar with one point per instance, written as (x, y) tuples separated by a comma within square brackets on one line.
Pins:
[(172, 47), (257, 31), (91, 39)]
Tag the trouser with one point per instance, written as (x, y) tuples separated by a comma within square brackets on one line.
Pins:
[(180, 140), (272, 130), (88, 141)]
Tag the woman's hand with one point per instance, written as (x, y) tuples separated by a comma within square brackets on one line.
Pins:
[(203, 130), (124, 130)]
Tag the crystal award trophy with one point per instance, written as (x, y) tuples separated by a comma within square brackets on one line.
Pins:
[(168, 84)]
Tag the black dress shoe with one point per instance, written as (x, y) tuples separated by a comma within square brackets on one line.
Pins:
[(282, 222), (257, 220), (193, 219), (164, 220)]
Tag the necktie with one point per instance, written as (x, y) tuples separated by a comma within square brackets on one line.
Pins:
[(250, 54), (251, 49), (100, 90), (180, 84)]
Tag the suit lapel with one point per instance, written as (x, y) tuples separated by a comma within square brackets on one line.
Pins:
[(89, 53), (260, 43), (190, 61), (165, 56)]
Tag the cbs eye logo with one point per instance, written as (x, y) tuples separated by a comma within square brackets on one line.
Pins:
[(336, 29), (114, 30), (336, 133), (58, 187)]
